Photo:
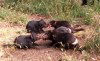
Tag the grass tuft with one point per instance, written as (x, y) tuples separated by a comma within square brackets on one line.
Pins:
[(57, 9), (12, 16), (93, 45)]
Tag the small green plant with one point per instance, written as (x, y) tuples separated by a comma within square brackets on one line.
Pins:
[(12, 16), (89, 12), (3, 13), (77, 11), (94, 45), (96, 6), (88, 19)]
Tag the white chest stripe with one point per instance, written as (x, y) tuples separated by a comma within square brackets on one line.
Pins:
[(70, 31), (76, 42)]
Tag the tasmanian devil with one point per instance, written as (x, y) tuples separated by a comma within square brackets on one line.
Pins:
[(52, 33), (60, 23), (25, 41), (64, 23), (57, 24), (35, 26), (63, 36)]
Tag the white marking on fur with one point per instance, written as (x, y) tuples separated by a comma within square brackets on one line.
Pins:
[(76, 42), (26, 46), (20, 46), (32, 42), (69, 30)]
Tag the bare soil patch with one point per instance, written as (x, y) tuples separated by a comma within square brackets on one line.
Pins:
[(42, 52)]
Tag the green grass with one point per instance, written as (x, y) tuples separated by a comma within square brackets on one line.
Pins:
[(96, 6), (93, 45), (12, 16), (57, 9)]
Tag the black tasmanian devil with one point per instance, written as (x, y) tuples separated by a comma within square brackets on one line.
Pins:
[(62, 36), (25, 41), (35, 26), (60, 23)]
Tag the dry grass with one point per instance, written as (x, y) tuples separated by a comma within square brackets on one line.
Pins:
[(9, 32), (12, 16), (7, 36)]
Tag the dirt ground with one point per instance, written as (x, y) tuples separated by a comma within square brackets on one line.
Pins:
[(43, 52)]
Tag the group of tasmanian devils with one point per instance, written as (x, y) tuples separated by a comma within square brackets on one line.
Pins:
[(61, 34)]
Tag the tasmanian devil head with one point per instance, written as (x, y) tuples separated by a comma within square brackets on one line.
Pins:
[(35, 26), (42, 23)]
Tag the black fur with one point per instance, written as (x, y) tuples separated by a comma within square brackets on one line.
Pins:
[(24, 41), (85, 2), (62, 29), (35, 26), (50, 36), (64, 37), (57, 24)]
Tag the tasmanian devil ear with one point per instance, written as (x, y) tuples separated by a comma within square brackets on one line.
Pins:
[(41, 21)]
